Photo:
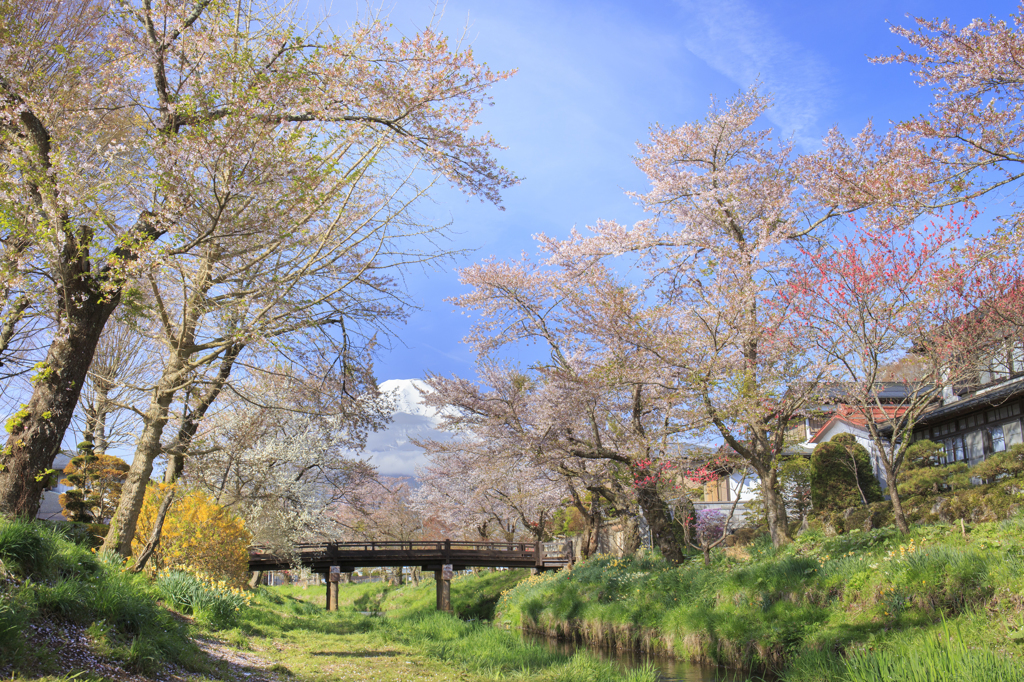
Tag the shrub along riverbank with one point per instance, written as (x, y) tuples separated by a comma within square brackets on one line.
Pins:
[(820, 608)]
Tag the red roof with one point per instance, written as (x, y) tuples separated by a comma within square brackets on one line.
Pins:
[(856, 416)]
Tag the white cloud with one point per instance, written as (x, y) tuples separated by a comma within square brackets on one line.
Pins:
[(737, 40)]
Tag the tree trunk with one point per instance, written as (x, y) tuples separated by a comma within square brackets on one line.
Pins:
[(707, 554), (133, 491), (591, 522), (852, 463), (686, 516), (101, 408), (631, 540), (188, 429), (38, 428), (154, 536), (666, 536), (87, 292), (894, 496), (775, 507), (176, 370), (195, 412)]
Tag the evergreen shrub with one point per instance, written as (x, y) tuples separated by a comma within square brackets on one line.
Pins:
[(841, 475)]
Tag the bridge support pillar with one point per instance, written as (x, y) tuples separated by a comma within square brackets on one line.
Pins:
[(327, 581), (444, 592), (333, 578)]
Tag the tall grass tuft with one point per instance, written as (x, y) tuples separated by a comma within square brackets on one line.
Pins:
[(946, 658), (61, 579), (22, 546), (211, 601)]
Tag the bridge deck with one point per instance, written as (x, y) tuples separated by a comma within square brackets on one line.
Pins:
[(320, 557)]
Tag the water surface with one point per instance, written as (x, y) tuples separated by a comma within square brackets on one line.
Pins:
[(669, 669)]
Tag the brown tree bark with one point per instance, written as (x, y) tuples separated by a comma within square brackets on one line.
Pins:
[(175, 376), (36, 431), (195, 412), (133, 491), (775, 506), (87, 292), (667, 536), (631, 540), (894, 496)]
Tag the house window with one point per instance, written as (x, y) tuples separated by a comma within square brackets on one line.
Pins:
[(998, 442), (1012, 433), (1007, 361), (954, 449)]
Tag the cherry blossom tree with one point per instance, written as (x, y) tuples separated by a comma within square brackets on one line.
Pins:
[(584, 412), (731, 207), (64, 102), (383, 511), (474, 482), (973, 132), (129, 130)]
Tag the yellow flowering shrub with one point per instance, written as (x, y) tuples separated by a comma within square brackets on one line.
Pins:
[(198, 533)]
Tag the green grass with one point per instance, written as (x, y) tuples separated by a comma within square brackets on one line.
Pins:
[(408, 641), (53, 577), (473, 597), (946, 657), (799, 609), (862, 606)]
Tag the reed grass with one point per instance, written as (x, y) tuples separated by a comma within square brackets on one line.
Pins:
[(946, 657)]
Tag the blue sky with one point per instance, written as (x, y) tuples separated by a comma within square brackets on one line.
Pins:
[(593, 76)]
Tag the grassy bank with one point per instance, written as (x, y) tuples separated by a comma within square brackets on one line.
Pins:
[(818, 609), (66, 612), (313, 644), (50, 585)]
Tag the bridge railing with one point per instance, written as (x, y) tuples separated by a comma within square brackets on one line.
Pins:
[(413, 546), (546, 554)]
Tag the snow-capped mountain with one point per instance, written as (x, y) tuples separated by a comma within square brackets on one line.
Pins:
[(407, 393), (390, 450)]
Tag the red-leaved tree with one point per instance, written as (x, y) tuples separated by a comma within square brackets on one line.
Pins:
[(887, 291)]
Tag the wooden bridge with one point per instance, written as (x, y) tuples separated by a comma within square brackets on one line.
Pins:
[(443, 557)]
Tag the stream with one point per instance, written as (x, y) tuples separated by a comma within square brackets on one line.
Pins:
[(669, 669)]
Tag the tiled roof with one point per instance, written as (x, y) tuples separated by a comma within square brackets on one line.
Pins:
[(980, 400), (856, 417)]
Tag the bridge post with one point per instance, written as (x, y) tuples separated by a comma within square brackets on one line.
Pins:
[(444, 592), (327, 580), (443, 579), (333, 578)]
